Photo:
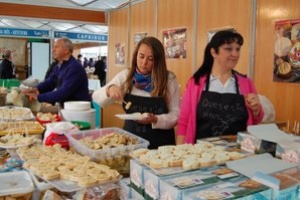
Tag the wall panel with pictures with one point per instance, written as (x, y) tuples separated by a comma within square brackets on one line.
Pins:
[(142, 23), (254, 19), (176, 15), (284, 96), (118, 33), (214, 15)]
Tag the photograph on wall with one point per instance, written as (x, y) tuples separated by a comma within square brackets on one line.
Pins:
[(138, 37), (120, 53), (287, 51), (18, 48), (211, 33), (174, 41)]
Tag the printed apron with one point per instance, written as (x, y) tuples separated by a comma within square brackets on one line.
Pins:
[(220, 114), (156, 105)]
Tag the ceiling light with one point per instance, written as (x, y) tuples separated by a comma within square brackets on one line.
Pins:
[(82, 2)]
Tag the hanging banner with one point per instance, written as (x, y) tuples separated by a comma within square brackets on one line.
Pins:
[(24, 32), (81, 36), (287, 51)]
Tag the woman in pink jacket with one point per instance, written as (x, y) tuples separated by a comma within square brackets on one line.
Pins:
[(218, 100)]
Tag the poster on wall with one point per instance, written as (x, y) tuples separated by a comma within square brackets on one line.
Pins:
[(120, 53), (18, 48), (211, 33), (287, 51), (174, 41), (138, 37)]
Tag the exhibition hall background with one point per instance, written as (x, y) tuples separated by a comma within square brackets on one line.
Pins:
[(254, 19)]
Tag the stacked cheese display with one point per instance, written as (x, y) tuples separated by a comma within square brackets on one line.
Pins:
[(187, 156), (53, 162)]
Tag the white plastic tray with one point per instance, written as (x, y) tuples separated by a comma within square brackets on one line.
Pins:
[(27, 113), (70, 186), (15, 183), (17, 146)]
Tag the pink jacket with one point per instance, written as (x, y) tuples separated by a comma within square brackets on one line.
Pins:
[(191, 97)]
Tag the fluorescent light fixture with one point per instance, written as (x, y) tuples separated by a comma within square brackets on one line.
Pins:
[(82, 2)]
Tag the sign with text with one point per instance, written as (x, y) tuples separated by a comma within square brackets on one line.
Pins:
[(24, 32), (81, 36)]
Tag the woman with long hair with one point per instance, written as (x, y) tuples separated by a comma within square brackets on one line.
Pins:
[(150, 88)]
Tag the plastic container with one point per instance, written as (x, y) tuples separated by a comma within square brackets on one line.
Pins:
[(17, 183), (77, 105), (79, 115), (117, 158)]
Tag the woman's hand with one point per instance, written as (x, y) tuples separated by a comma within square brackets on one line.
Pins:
[(114, 92), (253, 102), (151, 118)]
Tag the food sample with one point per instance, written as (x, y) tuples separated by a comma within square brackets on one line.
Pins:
[(53, 162), (12, 140), (128, 105), (108, 141), (30, 127), (47, 116), (15, 113)]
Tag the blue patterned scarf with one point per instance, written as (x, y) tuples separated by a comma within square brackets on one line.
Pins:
[(142, 82)]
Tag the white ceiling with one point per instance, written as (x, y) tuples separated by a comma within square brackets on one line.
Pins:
[(99, 5)]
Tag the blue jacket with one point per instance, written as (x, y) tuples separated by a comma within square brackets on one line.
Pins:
[(67, 82)]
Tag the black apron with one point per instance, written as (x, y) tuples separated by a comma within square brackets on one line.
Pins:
[(220, 114), (155, 105)]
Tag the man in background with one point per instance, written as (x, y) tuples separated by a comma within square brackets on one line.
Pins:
[(7, 68), (67, 81), (79, 59), (100, 70)]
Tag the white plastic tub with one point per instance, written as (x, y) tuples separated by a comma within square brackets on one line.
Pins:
[(15, 183), (77, 105)]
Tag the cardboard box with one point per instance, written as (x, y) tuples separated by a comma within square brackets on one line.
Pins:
[(252, 144), (125, 189), (172, 187), (136, 196), (288, 151), (137, 179), (285, 183), (264, 163), (151, 191), (238, 188), (263, 138)]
